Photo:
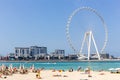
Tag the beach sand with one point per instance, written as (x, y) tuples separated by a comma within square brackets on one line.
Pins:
[(49, 75)]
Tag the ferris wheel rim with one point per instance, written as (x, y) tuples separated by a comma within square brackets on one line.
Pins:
[(98, 15)]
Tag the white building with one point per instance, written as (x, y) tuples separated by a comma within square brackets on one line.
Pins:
[(58, 53), (22, 51), (32, 51)]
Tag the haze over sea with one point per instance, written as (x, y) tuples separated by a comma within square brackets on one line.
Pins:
[(94, 65)]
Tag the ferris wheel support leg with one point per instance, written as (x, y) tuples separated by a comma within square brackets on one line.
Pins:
[(89, 45), (83, 42), (95, 46)]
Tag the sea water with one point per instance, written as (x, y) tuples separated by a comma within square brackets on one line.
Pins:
[(94, 65)]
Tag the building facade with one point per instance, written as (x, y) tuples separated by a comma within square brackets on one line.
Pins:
[(58, 54), (32, 51), (105, 55), (22, 51), (38, 51)]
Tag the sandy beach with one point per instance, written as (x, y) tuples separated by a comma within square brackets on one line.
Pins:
[(75, 75)]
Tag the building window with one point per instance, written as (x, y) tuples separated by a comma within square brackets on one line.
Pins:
[(16, 51), (23, 51)]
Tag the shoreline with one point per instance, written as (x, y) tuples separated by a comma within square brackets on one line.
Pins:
[(107, 60)]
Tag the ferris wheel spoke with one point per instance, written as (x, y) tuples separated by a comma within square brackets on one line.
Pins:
[(89, 42)]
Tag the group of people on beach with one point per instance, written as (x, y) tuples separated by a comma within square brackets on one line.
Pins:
[(5, 70)]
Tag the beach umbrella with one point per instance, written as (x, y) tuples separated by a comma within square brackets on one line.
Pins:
[(20, 66), (3, 66), (23, 66), (111, 69), (10, 66), (117, 68), (33, 66)]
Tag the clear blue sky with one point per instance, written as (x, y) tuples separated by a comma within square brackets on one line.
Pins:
[(24, 23)]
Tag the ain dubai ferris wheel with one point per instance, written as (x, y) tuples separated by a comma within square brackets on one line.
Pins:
[(88, 38)]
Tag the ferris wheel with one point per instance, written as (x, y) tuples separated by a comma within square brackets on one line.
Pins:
[(88, 36)]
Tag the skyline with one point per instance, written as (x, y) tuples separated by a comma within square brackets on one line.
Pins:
[(43, 23)]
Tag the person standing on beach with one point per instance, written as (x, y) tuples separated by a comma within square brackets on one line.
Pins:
[(89, 75), (38, 75)]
